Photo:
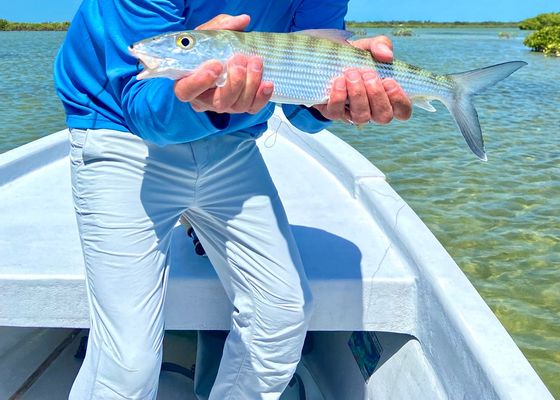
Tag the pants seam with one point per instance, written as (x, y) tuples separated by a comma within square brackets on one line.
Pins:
[(248, 353), (96, 373), (196, 179)]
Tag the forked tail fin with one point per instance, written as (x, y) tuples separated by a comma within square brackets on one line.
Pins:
[(461, 105)]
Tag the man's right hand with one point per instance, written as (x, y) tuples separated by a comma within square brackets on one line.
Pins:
[(244, 90)]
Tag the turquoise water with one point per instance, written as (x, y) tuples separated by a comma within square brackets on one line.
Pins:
[(499, 220)]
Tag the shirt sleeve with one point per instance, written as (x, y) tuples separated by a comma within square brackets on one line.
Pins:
[(314, 14), (150, 108)]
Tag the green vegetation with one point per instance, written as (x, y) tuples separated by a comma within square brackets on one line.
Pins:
[(506, 35), (431, 24), (540, 21), (402, 32), (6, 25), (545, 40)]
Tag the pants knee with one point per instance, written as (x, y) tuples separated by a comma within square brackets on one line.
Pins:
[(133, 375), (291, 316)]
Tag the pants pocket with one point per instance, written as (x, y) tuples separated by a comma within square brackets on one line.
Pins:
[(78, 140)]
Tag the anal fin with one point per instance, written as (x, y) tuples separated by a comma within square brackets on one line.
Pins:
[(424, 103)]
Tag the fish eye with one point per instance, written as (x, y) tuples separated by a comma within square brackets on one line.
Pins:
[(185, 41)]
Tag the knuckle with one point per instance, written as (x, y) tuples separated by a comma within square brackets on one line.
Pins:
[(338, 115), (240, 106), (355, 91), (219, 106), (374, 89), (334, 111)]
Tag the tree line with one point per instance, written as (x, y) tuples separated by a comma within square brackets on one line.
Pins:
[(430, 24), (6, 25)]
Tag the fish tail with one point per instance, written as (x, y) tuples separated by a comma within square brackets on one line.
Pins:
[(461, 106)]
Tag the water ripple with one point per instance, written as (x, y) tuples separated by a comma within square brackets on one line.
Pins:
[(499, 220)]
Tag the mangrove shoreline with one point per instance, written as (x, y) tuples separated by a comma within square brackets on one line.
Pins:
[(6, 25), (431, 24)]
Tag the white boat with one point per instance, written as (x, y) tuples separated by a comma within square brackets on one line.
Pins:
[(395, 318)]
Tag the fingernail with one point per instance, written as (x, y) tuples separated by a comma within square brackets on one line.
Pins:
[(340, 84), (267, 90), (383, 48), (212, 72), (214, 69), (353, 76), (370, 77), (240, 68), (255, 65)]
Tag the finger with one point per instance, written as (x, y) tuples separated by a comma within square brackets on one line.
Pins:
[(198, 106), (262, 97), (337, 100), (401, 104), (322, 108), (237, 75), (226, 21), (252, 84), (380, 47), (204, 101), (360, 111), (381, 108), (188, 88)]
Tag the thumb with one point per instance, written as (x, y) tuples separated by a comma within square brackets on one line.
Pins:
[(225, 21)]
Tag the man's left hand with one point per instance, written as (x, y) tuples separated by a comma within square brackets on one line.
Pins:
[(361, 96)]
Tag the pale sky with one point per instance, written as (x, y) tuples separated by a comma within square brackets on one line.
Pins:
[(359, 10)]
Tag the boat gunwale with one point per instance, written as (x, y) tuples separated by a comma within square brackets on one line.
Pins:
[(439, 277), (32, 156)]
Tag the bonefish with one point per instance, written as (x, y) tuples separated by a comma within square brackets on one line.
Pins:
[(302, 66)]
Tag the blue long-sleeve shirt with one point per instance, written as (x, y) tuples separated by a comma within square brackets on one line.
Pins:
[(95, 76)]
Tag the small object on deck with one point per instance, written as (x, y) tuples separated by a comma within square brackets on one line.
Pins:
[(198, 249)]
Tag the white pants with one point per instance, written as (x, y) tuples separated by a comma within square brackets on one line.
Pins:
[(128, 195)]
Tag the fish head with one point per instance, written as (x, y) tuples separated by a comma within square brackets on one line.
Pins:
[(178, 54)]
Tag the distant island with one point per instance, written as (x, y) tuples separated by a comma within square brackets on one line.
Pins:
[(6, 25), (431, 24)]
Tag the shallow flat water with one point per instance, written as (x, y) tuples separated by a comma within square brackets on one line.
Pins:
[(29, 107), (499, 220)]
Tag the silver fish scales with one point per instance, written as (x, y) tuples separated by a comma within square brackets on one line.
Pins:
[(302, 66)]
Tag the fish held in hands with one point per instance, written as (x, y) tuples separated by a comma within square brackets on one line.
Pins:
[(302, 65)]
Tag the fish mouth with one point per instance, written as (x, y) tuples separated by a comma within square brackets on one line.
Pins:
[(150, 63)]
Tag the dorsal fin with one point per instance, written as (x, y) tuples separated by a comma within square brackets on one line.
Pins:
[(335, 35)]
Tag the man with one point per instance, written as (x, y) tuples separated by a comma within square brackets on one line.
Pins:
[(144, 152)]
